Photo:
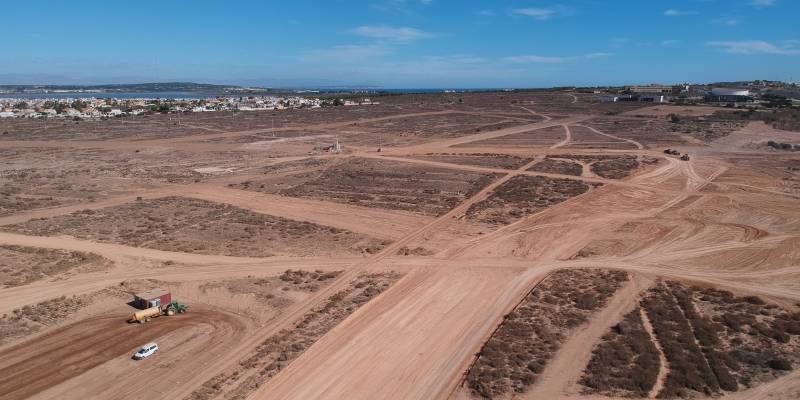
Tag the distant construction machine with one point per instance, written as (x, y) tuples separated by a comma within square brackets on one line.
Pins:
[(154, 303)]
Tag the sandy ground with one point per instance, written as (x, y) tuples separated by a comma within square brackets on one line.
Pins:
[(707, 220)]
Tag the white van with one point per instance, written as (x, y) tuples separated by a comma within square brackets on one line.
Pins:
[(146, 351)]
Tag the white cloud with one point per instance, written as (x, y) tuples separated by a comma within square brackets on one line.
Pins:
[(537, 59), (486, 13), (345, 53), (762, 3), (755, 47), (540, 13), (669, 42), (402, 34), (729, 21), (677, 13)]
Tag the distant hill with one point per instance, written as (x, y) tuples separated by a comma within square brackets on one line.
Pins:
[(135, 87)]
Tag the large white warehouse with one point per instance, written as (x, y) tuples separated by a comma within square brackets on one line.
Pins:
[(730, 92)]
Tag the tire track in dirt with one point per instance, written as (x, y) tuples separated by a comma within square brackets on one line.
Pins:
[(567, 138), (663, 363), (631, 141)]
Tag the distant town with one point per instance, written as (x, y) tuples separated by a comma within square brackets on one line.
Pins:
[(40, 102), (98, 108)]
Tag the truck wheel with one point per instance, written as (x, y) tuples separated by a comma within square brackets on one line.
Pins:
[(170, 312), (147, 319), (141, 321), (181, 311)]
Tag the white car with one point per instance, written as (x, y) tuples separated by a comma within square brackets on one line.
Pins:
[(146, 351)]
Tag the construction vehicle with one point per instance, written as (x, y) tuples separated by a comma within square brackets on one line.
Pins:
[(154, 303), (685, 157), (154, 312)]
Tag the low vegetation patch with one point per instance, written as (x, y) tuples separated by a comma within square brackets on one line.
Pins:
[(616, 168), (522, 196), (20, 265), (530, 335), (383, 184), (202, 227), (492, 160), (625, 363), (717, 342), (558, 166)]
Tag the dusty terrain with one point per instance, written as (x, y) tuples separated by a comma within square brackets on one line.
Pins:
[(460, 246)]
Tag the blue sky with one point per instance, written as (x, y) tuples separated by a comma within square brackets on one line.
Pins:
[(400, 43)]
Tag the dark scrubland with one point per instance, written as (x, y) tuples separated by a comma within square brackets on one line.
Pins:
[(557, 166), (521, 196), (202, 227), (491, 160), (386, 184), (519, 350), (625, 362)]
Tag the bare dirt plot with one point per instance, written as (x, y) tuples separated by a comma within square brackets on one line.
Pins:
[(20, 265), (665, 110), (661, 132), (584, 138), (553, 165), (545, 137), (491, 160), (29, 319), (268, 295), (782, 119), (62, 354), (420, 129), (531, 334), (163, 126), (776, 172), (607, 166), (647, 131), (278, 351), (139, 127), (716, 342), (381, 184), (616, 168), (201, 227), (522, 196), (38, 177)]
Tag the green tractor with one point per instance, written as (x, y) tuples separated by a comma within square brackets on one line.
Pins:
[(175, 307)]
